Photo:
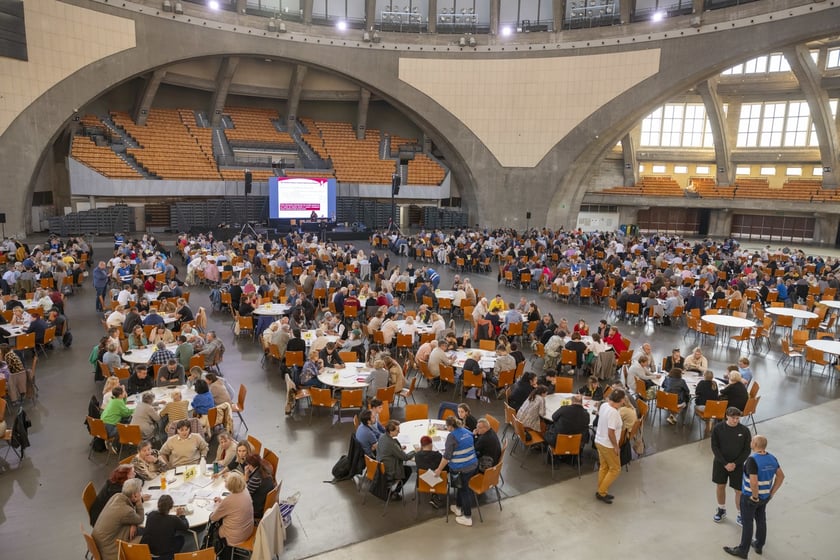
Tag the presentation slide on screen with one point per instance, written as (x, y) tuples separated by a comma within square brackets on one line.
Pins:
[(297, 198)]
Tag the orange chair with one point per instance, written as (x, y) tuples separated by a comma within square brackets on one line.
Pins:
[(483, 482), (522, 433), (320, 398), (566, 446), (416, 412), (439, 489)]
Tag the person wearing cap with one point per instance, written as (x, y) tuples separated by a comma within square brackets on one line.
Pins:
[(731, 447)]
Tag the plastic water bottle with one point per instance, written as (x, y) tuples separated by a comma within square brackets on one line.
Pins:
[(202, 466)]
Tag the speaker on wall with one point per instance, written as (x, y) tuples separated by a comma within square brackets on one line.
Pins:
[(248, 179), (395, 184), (3, 218), (527, 215)]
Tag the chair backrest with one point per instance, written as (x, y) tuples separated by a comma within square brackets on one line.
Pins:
[(484, 344), (25, 341), (519, 430), (256, 445), (97, 428), (348, 356), (567, 444), (520, 369), (416, 411), (563, 384), (294, 358), (447, 373), (133, 551), (271, 497), (510, 414), (439, 488), (506, 378), (472, 379), (751, 406), (643, 407), (754, 388), (715, 410), (515, 329), (568, 357), (129, 433), (351, 398), (386, 394), (240, 398), (370, 467), (493, 422), (272, 459), (89, 496), (488, 480), (668, 401), (92, 548)]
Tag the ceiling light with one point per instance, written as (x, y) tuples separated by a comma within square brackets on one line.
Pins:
[(658, 16), (506, 31), (341, 25), (213, 5)]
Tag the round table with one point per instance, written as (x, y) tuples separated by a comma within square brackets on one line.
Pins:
[(830, 303), (309, 336), (412, 431), (151, 272), (791, 312), (272, 309), (691, 378), (143, 355), (825, 345), (445, 294), (12, 331), (354, 375), (163, 395), (421, 328), (487, 361), (728, 321), (197, 495), (555, 400)]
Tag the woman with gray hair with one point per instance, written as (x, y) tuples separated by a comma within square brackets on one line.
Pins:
[(119, 519), (146, 416)]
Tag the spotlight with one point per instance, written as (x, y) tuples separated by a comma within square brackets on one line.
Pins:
[(213, 5), (507, 31), (179, 9), (472, 41), (341, 25), (657, 16)]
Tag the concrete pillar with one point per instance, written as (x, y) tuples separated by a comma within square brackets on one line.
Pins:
[(295, 87), (720, 223), (805, 70), (733, 114), (495, 14), (628, 214), (370, 15), (697, 6), (825, 228), (144, 102), (92, 202), (361, 113), (432, 16), (558, 13), (307, 11), (724, 171), (626, 8), (631, 162), (240, 6), (224, 77)]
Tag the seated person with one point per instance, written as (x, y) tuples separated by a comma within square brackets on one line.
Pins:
[(162, 532), (137, 338), (176, 410), (569, 419), (171, 374), (236, 512), (184, 448), (111, 487), (119, 519), (147, 463), (260, 481), (367, 435), (592, 389), (140, 381), (390, 453), (310, 370), (161, 333), (674, 360), (330, 357), (146, 416), (428, 459), (488, 448), (674, 383), (116, 411)]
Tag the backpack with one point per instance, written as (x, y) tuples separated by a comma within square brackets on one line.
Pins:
[(341, 469), (67, 339)]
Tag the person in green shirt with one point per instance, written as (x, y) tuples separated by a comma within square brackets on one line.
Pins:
[(184, 352), (116, 411)]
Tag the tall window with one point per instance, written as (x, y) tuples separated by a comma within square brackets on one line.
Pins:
[(678, 125), (764, 64), (833, 58), (773, 125)]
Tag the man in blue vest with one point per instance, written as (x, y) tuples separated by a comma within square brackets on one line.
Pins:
[(762, 478), (459, 455)]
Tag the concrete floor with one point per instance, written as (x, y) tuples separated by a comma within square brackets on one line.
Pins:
[(49, 482)]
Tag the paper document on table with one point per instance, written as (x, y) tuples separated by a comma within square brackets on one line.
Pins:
[(181, 497), (206, 493), (201, 481), (430, 478)]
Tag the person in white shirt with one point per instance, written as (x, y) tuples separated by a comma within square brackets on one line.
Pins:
[(607, 437), (126, 295), (116, 318)]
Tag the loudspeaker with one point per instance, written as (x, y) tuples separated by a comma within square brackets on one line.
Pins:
[(527, 215), (3, 218), (248, 178), (395, 184)]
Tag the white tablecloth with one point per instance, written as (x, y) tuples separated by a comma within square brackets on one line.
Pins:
[(354, 375), (411, 432)]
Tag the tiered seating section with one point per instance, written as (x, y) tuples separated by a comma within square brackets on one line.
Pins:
[(254, 127), (167, 148), (173, 146), (806, 190), (101, 158)]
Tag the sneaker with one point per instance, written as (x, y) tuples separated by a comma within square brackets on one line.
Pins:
[(435, 504), (738, 520), (485, 399), (606, 499), (456, 510), (735, 551), (720, 515), (672, 420), (463, 520)]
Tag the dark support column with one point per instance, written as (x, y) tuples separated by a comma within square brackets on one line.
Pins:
[(559, 14), (361, 113), (370, 15), (141, 109), (495, 14), (307, 11), (631, 163), (626, 8), (432, 15), (295, 87), (223, 79), (724, 172), (805, 70)]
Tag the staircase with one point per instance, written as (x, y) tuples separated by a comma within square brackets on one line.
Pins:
[(309, 158), (134, 164), (127, 139), (201, 119), (221, 147)]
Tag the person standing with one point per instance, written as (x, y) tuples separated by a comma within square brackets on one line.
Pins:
[(762, 479), (731, 447), (100, 284), (606, 442), (459, 455)]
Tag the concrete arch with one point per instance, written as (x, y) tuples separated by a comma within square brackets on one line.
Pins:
[(697, 59)]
